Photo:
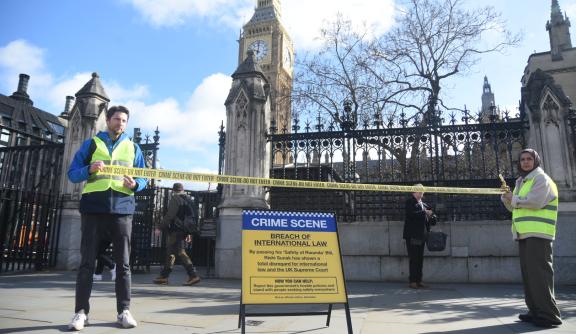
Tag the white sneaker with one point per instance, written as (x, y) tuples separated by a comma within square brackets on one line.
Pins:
[(97, 277), (126, 320), (79, 321), (113, 274)]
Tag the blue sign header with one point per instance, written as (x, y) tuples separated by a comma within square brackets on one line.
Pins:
[(288, 221)]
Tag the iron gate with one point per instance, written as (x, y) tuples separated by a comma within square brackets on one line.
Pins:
[(461, 154), (150, 249), (29, 206)]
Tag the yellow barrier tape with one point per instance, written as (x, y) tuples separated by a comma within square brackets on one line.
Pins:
[(264, 182)]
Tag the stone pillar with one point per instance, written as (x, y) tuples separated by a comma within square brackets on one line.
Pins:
[(247, 153), (91, 101), (547, 108)]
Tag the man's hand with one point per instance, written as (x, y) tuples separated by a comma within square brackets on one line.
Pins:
[(507, 196), (429, 213), (129, 182), (188, 238), (97, 166)]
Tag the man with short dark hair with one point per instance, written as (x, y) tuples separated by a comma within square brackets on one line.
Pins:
[(106, 206), (175, 236)]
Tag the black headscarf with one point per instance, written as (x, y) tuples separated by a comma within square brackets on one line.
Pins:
[(536, 158)]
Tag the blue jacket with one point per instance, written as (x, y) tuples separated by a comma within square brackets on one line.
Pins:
[(108, 201)]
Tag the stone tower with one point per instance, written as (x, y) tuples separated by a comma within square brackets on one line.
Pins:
[(548, 96), (559, 31), (247, 121), (83, 122), (247, 153), (488, 103), (266, 36)]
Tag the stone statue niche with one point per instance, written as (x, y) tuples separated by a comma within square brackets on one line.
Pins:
[(554, 141)]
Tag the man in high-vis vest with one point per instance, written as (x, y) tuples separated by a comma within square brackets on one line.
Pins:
[(106, 207), (534, 207)]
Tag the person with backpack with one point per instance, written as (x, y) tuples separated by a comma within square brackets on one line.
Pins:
[(178, 224)]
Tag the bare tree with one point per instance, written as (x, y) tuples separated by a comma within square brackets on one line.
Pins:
[(334, 74), (432, 41), (435, 40), (403, 71)]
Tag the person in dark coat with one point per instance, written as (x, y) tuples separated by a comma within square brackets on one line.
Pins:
[(174, 238), (418, 218)]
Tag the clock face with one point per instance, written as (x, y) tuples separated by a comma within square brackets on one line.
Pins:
[(260, 49)]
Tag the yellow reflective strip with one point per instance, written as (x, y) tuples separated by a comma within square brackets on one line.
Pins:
[(535, 227), (535, 219), (265, 182), (121, 163)]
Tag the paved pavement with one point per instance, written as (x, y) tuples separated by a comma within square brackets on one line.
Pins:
[(43, 303)]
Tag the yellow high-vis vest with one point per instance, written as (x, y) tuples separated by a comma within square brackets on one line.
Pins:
[(536, 221), (122, 155)]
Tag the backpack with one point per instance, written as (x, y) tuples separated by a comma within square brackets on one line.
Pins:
[(186, 219)]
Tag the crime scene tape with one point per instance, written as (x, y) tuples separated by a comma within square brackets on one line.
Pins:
[(264, 182)]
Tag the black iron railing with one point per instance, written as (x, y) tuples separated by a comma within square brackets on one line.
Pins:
[(148, 243), (34, 167), (29, 206), (464, 155), (29, 229)]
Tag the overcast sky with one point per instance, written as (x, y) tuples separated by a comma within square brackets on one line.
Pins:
[(170, 61)]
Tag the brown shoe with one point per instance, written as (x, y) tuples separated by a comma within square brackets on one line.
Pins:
[(422, 285), (192, 280), (413, 285), (161, 280)]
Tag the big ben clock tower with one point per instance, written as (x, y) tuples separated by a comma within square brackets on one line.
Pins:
[(273, 50)]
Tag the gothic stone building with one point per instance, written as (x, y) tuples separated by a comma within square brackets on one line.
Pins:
[(23, 124), (547, 98)]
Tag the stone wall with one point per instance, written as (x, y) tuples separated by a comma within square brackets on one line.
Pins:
[(476, 251)]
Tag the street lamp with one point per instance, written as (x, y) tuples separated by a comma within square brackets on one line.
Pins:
[(348, 119)]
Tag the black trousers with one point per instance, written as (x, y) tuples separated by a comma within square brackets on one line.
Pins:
[(96, 227), (416, 260)]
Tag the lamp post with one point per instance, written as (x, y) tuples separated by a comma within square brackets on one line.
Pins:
[(349, 118), (435, 123), (348, 122)]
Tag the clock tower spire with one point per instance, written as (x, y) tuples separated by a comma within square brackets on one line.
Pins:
[(266, 36)]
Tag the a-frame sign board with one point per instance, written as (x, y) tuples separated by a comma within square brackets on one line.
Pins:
[(291, 258)]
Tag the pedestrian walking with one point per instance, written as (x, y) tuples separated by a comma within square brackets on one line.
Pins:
[(179, 207)]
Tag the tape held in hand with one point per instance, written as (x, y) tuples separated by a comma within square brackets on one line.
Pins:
[(265, 182)]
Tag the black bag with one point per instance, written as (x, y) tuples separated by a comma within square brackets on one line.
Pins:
[(186, 220), (436, 241)]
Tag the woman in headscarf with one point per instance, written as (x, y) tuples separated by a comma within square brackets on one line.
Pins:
[(534, 207)]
